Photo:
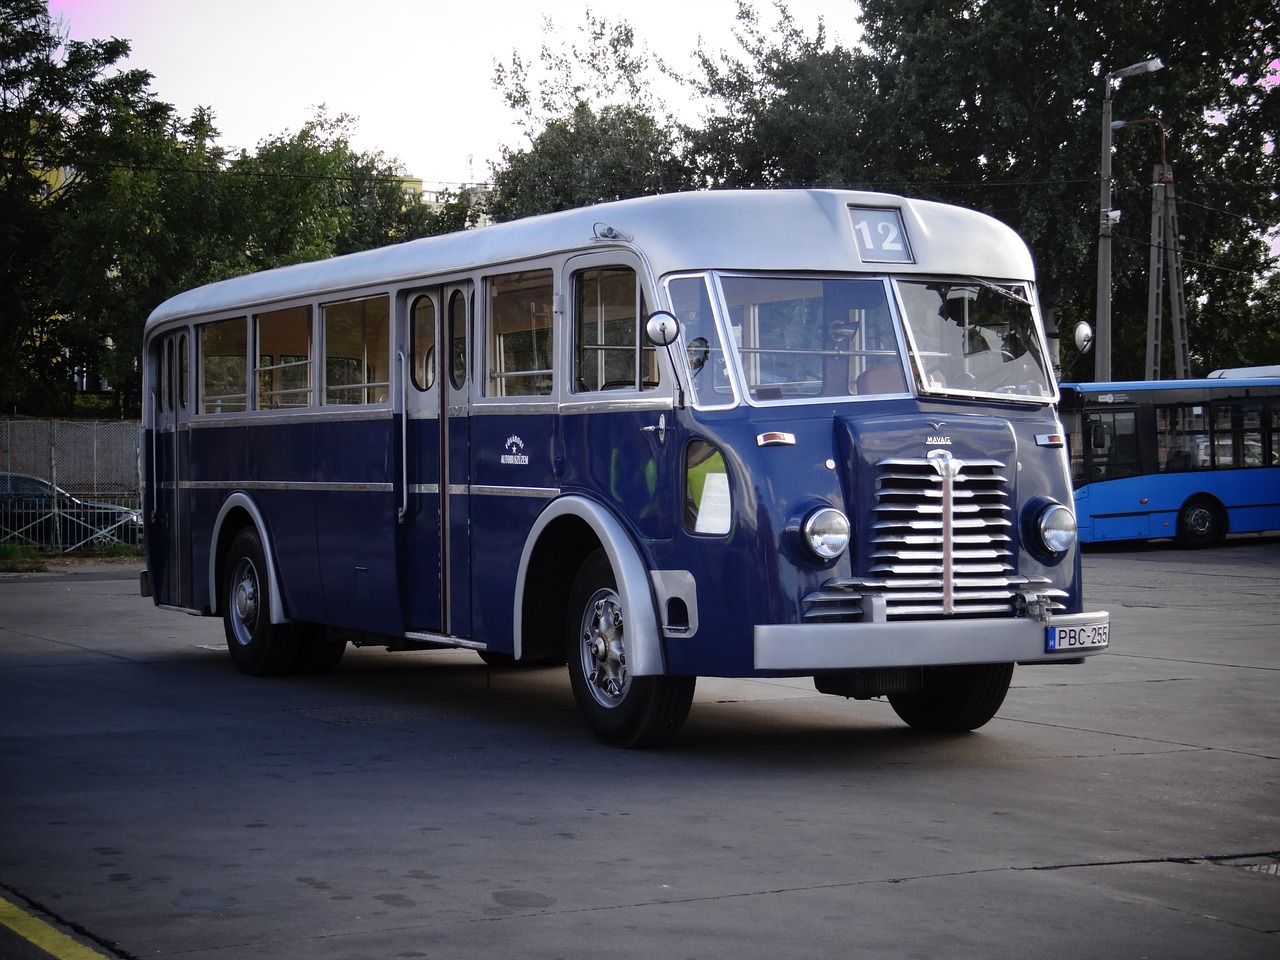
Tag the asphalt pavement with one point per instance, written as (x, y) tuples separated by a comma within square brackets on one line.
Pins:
[(155, 803)]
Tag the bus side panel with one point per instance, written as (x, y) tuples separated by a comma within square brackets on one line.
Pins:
[(513, 476), (281, 459), (1147, 507), (356, 519), (270, 463), (625, 458)]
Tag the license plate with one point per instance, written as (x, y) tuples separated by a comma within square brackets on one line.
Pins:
[(1082, 636)]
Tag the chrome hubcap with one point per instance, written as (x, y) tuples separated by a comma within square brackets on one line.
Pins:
[(244, 597), (603, 651)]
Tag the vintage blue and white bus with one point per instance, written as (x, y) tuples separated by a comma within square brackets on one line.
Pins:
[(733, 434), (1189, 459)]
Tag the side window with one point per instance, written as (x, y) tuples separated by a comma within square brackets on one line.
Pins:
[(1119, 458), (222, 351), (458, 339), (357, 351), (1182, 439), (422, 337), (520, 343), (284, 358), (610, 352), (1272, 422), (707, 503), (1250, 435), (184, 371), (166, 375)]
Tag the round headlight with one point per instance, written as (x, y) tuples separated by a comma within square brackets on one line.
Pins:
[(1057, 528), (826, 533)]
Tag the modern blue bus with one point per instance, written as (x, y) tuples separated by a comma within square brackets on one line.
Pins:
[(733, 434), (1189, 459)]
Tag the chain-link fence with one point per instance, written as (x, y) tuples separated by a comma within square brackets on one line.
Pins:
[(70, 484)]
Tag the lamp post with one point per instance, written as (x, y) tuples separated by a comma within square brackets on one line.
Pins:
[(1107, 219)]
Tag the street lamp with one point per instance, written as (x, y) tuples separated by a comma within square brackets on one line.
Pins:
[(1107, 220)]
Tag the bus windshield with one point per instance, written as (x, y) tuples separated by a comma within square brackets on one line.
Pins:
[(798, 337), (974, 337)]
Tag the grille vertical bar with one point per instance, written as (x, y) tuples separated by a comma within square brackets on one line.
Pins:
[(940, 536)]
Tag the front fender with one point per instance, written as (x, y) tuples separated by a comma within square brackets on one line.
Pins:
[(644, 639)]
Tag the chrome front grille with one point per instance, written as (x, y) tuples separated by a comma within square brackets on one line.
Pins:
[(940, 546)]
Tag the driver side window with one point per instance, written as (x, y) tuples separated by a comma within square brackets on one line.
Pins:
[(610, 350)]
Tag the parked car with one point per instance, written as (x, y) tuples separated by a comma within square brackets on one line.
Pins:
[(29, 506)]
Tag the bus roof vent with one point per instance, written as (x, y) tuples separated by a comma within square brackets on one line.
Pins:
[(603, 231)]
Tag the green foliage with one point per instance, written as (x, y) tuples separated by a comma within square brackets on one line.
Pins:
[(18, 558), (587, 158), (109, 203), (594, 127), (992, 104)]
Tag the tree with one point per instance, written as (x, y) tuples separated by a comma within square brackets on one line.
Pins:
[(109, 203), (587, 158), (789, 112), (63, 120), (995, 104), (596, 133)]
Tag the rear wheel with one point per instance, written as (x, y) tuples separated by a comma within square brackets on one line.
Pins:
[(955, 699), (1200, 523), (620, 709), (258, 647), (318, 652)]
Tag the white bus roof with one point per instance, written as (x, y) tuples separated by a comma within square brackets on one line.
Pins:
[(1245, 373), (789, 230)]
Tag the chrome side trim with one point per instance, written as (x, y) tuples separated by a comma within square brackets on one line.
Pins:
[(480, 490), (307, 485)]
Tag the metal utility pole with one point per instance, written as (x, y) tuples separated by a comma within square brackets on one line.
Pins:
[(1166, 254), (1107, 219)]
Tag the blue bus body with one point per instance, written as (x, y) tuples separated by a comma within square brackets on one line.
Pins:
[(847, 464), (1191, 460)]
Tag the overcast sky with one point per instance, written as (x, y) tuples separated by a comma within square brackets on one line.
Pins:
[(418, 74)]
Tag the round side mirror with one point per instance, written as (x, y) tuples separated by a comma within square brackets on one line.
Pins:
[(1084, 337), (662, 328)]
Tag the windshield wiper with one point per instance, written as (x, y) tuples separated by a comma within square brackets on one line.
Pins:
[(1011, 293)]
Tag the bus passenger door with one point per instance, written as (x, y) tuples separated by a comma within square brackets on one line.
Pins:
[(434, 534)]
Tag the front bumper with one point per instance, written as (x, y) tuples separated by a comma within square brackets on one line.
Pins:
[(805, 648)]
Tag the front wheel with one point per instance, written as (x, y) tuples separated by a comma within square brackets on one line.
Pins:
[(955, 699), (620, 709), (258, 647)]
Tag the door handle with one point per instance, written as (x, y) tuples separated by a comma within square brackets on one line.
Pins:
[(660, 428)]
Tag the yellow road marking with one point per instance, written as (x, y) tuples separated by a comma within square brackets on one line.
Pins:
[(45, 937)]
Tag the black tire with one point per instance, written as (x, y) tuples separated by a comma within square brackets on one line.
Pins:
[(317, 652), (620, 709), (955, 699), (1200, 523), (258, 647)]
